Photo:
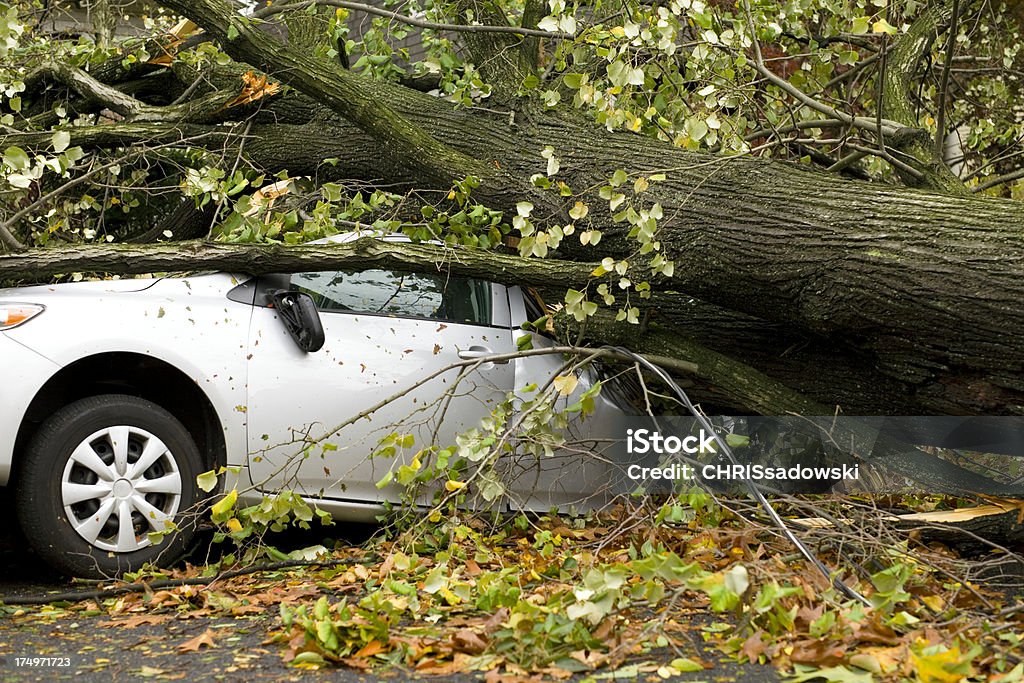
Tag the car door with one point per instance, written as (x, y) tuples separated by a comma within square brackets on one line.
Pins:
[(591, 467), (385, 331)]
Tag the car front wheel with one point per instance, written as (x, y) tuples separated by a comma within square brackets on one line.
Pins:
[(108, 484)]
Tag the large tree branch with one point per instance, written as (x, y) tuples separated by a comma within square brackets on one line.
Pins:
[(100, 94), (499, 58), (901, 64), (269, 258), (124, 135), (364, 102), (533, 12), (9, 241)]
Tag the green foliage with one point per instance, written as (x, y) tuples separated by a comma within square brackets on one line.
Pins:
[(679, 71)]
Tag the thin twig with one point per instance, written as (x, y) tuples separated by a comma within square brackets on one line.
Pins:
[(18, 246), (875, 126), (940, 118), (884, 154), (144, 587), (999, 180), (419, 23)]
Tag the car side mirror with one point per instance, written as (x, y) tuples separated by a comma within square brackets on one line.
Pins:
[(299, 315)]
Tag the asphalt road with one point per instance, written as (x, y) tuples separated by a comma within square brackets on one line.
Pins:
[(99, 652)]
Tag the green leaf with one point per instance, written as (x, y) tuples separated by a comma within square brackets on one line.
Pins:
[(685, 665), (574, 297), (548, 23), (737, 440), (232, 32), (20, 180), (436, 579), (696, 128), (61, 141), (16, 158), (737, 579), (833, 674)]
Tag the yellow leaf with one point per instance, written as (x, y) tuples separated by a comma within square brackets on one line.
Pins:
[(883, 26), (1013, 676), (222, 506), (566, 384), (234, 525), (941, 667), (452, 486)]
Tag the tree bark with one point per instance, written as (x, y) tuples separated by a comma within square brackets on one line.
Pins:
[(916, 144), (258, 259)]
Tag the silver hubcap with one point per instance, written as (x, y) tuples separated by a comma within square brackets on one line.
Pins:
[(119, 485)]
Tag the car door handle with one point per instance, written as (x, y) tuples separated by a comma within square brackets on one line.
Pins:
[(474, 352)]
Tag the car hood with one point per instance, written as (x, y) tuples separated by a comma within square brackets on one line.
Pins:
[(98, 287)]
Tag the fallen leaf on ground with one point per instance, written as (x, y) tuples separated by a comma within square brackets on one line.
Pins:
[(136, 620), (205, 638), (468, 641)]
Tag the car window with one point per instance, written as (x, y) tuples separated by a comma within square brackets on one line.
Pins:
[(384, 292)]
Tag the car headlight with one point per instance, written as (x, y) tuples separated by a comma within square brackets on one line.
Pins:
[(12, 315)]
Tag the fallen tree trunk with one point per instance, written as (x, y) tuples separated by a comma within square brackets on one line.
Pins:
[(722, 381), (922, 290)]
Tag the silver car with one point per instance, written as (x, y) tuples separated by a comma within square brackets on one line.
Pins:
[(118, 394)]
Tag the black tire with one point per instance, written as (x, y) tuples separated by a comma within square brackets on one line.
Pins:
[(40, 505)]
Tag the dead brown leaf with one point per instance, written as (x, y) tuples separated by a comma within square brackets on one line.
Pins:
[(753, 647), (247, 609), (818, 652), (253, 88), (435, 667), (136, 620), (206, 638), (466, 640), (355, 662), (495, 676), (495, 621), (370, 649)]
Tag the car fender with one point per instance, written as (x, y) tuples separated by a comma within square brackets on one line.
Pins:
[(160, 322)]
